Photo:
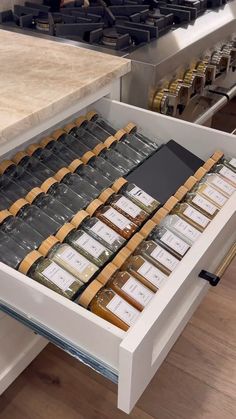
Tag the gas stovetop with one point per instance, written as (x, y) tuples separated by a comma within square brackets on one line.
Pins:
[(121, 25)]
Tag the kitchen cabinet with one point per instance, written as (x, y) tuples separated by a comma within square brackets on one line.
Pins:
[(131, 358)]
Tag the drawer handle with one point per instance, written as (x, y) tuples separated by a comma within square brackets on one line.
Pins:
[(215, 278)]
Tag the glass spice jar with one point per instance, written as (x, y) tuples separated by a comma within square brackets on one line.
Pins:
[(46, 157), (124, 205), (94, 176), (228, 174), (132, 129), (4, 202), (33, 166), (202, 204), (59, 149), (19, 231), (103, 166), (71, 142), (51, 275), (11, 253), (211, 194), (68, 258), (98, 230), (50, 205), (77, 184), (136, 195), (170, 241), (64, 194), (84, 244), (230, 163), (110, 216), (144, 271), (192, 216), (177, 225), (34, 217), (10, 189), (18, 174), (126, 286), (108, 305)]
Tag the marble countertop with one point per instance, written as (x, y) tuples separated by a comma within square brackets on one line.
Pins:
[(39, 77)]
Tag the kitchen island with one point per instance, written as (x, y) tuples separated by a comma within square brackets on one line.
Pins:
[(40, 80)]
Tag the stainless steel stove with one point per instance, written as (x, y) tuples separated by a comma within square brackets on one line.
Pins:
[(183, 52)]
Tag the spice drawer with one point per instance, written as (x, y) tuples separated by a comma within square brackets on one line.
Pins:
[(131, 359)]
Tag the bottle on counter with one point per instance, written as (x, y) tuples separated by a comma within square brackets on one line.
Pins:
[(34, 217), (51, 275), (11, 253), (192, 216), (94, 176), (227, 174), (144, 271), (108, 305), (20, 231), (182, 229), (77, 184), (110, 216), (126, 286), (136, 195), (201, 204), (131, 140), (50, 205), (98, 230), (124, 205), (68, 258), (64, 194), (33, 166), (85, 244)]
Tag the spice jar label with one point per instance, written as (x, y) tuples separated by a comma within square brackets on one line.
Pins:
[(191, 232), (233, 162), (106, 233), (141, 196), (214, 195), (116, 218), (175, 243), (205, 204), (123, 310), (91, 245), (152, 274), (229, 174), (196, 216), (58, 276), (165, 258), (128, 206), (138, 291), (74, 259), (223, 186)]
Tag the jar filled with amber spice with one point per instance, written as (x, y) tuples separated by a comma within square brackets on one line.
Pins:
[(110, 306)]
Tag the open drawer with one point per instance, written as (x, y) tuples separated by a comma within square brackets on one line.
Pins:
[(131, 359)]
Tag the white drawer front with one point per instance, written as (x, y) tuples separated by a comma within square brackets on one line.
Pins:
[(135, 356)]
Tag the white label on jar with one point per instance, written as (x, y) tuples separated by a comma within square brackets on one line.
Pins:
[(123, 310), (58, 276), (75, 259), (233, 162), (152, 274), (196, 216), (138, 291), (229, 174), (214, 195), (128, 206), (117, 219), (175, 243), (106, 233), (90, 245), (222, 185), (205, 204), (165, 258), (187, 230), (142, 196)]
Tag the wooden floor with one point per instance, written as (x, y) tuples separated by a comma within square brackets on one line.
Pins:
[(197, 380)]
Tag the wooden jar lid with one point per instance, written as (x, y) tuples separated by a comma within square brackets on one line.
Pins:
[(28, 261), (89, 293), (67, 128), (79, 121), (159, 215), (74, 165), (120, 134), (217, 155), (109, 141), (134, 242), (87, 157), (209, 164), (171, 203), (4, 214), (200, 173), (47, 245), (118, 184), (99, 148), (131, 127), (106, 274), (32, 148), (32, 195), (58, 133), (61, 174), (47, 140), (79, 218), (17, 206), (147, 228), (19, 156), (106, 195), (91, 114), (121, 257), (64, 231), (190, 183), (93, 206), (181, 193), (46, 185), (5, 164)]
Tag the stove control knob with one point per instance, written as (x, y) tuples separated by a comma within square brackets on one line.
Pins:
[(182, 90), (221, 61), (196, 80), (165, 102), (230, 49)]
